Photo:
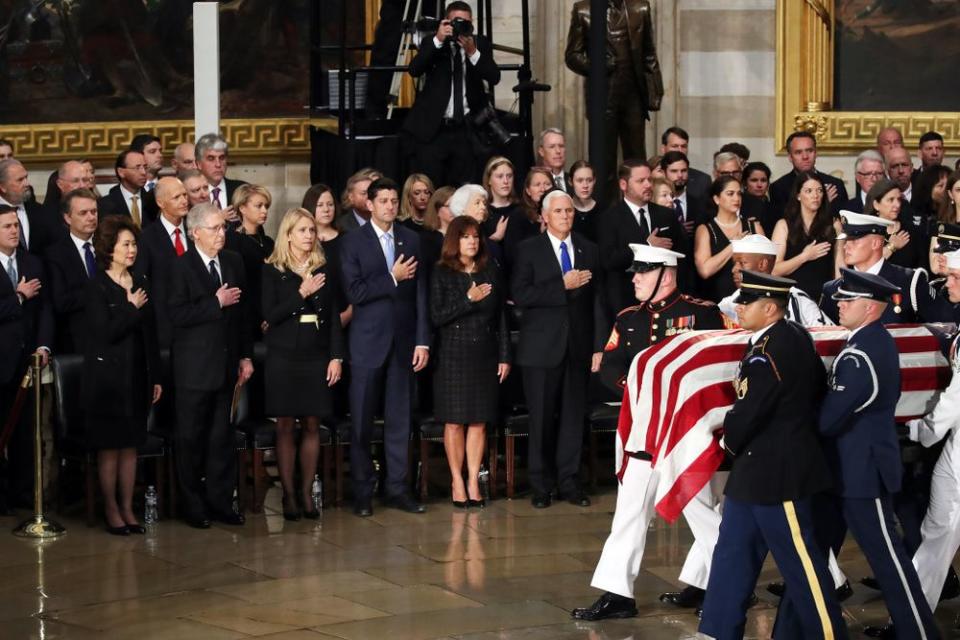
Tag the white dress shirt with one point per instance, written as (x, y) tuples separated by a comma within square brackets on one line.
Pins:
[(78, 243), (637, 211), (556, 248), (170, 229), (221, 195), (6, 262), (206, 263), (560, 180), (127, 197), (463, 56)]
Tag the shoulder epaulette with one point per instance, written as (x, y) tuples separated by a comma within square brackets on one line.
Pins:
[(635, 307), (697, 301)]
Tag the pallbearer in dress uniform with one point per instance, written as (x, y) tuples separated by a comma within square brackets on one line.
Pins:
[(778, 466), (947, 241), (663, 312), (857, 423)]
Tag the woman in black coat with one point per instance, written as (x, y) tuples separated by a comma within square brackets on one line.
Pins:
[(304, 339), (121, 368), (467, 308), (252, 203)]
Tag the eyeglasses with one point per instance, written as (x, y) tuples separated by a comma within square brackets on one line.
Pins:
[(218, 228), (870, 174)]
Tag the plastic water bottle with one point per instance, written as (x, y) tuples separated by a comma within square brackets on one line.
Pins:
[(236, 501), (150, 506), (484, 479), (316, 493)]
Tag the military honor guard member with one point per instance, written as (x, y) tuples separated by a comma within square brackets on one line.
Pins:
[(860, 441), (756, 252), (778, 466), (946, 240), (663, 311)]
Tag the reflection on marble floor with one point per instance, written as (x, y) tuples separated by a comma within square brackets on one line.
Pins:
[(503, 573)]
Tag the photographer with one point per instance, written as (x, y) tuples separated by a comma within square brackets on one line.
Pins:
[(440, 124)]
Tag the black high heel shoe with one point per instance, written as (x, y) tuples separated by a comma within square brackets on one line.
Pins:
[(460, 504), (481, 503), (118, 531), (292, 515), (136, 528)]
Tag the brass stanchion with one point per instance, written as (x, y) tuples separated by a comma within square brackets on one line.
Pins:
[(38, 526)]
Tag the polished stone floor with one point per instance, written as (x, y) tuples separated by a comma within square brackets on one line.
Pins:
[(502, 573)]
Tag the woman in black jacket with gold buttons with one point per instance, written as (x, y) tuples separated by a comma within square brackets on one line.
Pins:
[(304, 340)]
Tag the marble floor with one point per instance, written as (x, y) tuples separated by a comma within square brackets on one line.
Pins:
[(502, 573)]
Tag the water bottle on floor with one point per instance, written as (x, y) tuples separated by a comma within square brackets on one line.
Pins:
[(150, 506), (236, 501), (484, 479), (316, 493)]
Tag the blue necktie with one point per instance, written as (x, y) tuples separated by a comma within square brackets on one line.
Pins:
[(565, 264), (678, 209), (388, 251), (89, 260)]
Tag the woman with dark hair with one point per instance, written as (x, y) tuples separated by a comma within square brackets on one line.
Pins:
[(525, 217), (928, 192), (949, 212), (320, 202), (586, 208), (467, 308), (806, 235), (712, 251), (756, 195), (121, 368), (904, 247), (252, 203), (304, 342)]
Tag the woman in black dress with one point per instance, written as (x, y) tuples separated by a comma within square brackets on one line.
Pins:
[(467, 308), (756, 195), (303, 339), (501, 197), (712, 251), (805, 237), (524, 219), (252, 202), (417, 189), (904, 247), (121, 368), (321, 201), (586, 208)]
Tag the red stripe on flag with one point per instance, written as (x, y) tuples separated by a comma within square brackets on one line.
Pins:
[(695, 407), (689, 482)]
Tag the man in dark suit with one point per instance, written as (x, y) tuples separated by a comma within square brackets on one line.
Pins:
[(160, 245), (355, 212), (26, 327), (698, 182), (930, 150), (211, 356), (778, 467), (129, 198), (70, 263), (71, 175), (389, 341), (36, 232), (868, 170), (635, 220), (557, 284), (802, 148), (857, 418), (689, 209), (211, 152), (552, 154), (440, 120)]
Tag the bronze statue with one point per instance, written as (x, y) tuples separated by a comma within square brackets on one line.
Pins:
[(635, 85)]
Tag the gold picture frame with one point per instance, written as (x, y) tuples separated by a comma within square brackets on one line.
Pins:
[(804, 89)]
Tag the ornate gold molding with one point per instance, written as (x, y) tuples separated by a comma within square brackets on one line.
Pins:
[(804, 89), (248, 138)]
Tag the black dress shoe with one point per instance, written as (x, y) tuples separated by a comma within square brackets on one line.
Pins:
[(844, 591), (577, 499), (232, 518), (136, 528), (362, 507), (776, 588), (609, 605), (404, 502), (479, 504), (688, 598), (885, 631), (198, 522), (540, 500), (118, 531), (870, 582)]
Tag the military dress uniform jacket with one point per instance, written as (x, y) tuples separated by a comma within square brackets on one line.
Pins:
[(771, 431), (914, 303), (641, 326), (857, 416)]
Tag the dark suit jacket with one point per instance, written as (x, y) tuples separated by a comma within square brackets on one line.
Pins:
[(347, 221), (556, 322), (771, 431), (113, 204), (113, 327), (854, 204), (916, 302), (428, 108), (43, 230), (23, 327), (698, 185), (155, 261), (232, 186), (282, 306), (385, 315), (208, 341), (617, 229), (781, 187), (68, 281)]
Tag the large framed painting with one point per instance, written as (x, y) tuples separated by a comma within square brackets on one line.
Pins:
[(848, 68), (79, 78)]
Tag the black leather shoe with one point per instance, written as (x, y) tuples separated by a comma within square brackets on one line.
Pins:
[(951, 586), (609, 605), (232, 518), (844, 591), (578, 499), (479, 504), (405, 503), (885, 632), (688, 598), (870, 582), (118, 531), (198, 522), (137, 529), (776, 588), (460, 504), (540, 500), (362, 507)]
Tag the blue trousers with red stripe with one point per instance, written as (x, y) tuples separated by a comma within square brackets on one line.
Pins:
[(747, 533)]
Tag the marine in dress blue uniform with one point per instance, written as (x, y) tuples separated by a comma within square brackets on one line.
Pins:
[(778, 466), (860, 440), (948, 241)]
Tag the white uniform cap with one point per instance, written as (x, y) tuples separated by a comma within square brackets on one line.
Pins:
[(647, 254), (754, 243), (953, 259)]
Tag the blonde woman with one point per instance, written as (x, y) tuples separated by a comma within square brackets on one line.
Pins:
[(413, 201), (304, 337), (252, 203)]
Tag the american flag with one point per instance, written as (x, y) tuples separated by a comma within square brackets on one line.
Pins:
[(679, 391)]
